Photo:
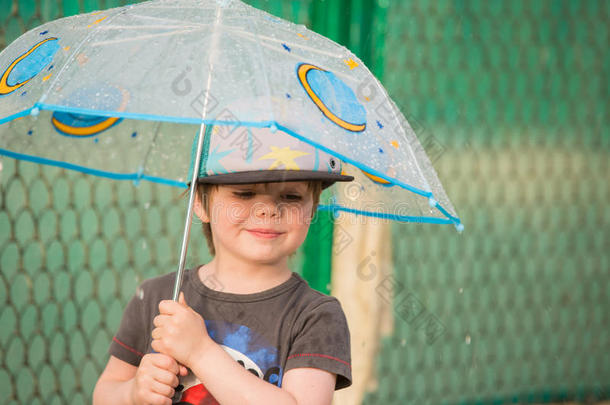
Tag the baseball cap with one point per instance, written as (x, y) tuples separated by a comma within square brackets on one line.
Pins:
[(242, 155)]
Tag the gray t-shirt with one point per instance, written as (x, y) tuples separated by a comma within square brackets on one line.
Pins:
[(269, 332)]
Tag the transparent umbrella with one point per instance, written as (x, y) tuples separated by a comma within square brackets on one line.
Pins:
[(125, 93)]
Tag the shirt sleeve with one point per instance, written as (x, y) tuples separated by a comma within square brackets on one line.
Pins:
[(323, 341), (132, 340)]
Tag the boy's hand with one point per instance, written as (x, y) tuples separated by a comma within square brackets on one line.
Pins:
[(155, 380), (179, 332)]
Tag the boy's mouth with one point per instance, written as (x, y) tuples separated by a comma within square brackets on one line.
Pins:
[(264, 233)]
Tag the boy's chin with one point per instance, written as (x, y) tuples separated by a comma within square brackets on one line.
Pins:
[(267, 257)]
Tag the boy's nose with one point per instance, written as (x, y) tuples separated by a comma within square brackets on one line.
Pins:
[(267, 208)]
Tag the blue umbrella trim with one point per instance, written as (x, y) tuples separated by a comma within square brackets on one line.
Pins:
[(15, 116), (136, 177), (404, 218), (264, 124)]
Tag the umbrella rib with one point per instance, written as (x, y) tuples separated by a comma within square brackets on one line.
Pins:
[(157, 7), (138, 27), (141, 37), (177, 22)]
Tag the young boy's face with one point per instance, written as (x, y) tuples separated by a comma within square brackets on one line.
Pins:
[(259, 223)]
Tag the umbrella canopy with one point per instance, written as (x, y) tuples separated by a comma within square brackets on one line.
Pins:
[(121, 93)]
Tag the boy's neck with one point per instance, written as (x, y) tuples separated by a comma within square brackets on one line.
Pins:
[(231, 276)]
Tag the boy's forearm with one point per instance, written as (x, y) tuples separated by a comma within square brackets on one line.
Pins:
[(231, 383), (112, 392)]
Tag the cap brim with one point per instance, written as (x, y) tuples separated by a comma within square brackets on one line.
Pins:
[(273, 176)]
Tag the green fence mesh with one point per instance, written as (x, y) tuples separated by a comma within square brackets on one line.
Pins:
[(509, 98)]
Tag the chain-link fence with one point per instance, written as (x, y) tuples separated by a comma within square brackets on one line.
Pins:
[(509, 98)]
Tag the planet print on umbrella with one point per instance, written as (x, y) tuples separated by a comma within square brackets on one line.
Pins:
[(377, 179), (335, 99), (86, 125), (28, 65)]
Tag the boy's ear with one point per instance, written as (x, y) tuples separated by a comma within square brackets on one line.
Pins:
[(199, 211)]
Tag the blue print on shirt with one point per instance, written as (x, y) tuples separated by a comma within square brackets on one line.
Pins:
[(249, 348)]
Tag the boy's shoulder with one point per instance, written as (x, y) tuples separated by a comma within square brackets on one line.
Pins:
[(313, 299), (157, 288)]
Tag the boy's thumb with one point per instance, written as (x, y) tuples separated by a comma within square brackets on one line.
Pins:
[(181, 299), (183, 371)]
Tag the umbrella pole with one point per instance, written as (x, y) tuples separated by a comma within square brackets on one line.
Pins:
[(189, 214)]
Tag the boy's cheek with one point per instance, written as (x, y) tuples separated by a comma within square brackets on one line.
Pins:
[(236, 212)]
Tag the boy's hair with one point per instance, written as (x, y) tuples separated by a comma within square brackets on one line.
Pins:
[(204, 191)]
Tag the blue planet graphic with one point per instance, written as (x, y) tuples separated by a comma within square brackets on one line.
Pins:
[(28, 65), (333, 97)]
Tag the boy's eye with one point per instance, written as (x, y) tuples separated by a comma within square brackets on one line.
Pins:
[(243, 194), (292, 197)]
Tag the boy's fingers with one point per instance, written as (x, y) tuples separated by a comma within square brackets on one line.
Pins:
[(155, 334), (163, 389), (183, 370), (165, 362), (182, 300), (167, 307), (166, 377), (158, 399), (161, 320)]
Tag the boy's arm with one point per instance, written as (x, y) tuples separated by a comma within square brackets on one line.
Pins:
[(231, 383), (181, 333), (114, 385), (150, 383), (310, 385)]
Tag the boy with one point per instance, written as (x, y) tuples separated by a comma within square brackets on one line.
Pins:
[(246, 330)]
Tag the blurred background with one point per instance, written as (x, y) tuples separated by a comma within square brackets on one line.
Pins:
[(510, 100)]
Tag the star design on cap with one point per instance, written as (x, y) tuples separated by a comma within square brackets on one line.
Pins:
[(283, 156), (213, 162)]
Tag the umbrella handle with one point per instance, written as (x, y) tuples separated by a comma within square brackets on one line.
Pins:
[(189, 214)]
